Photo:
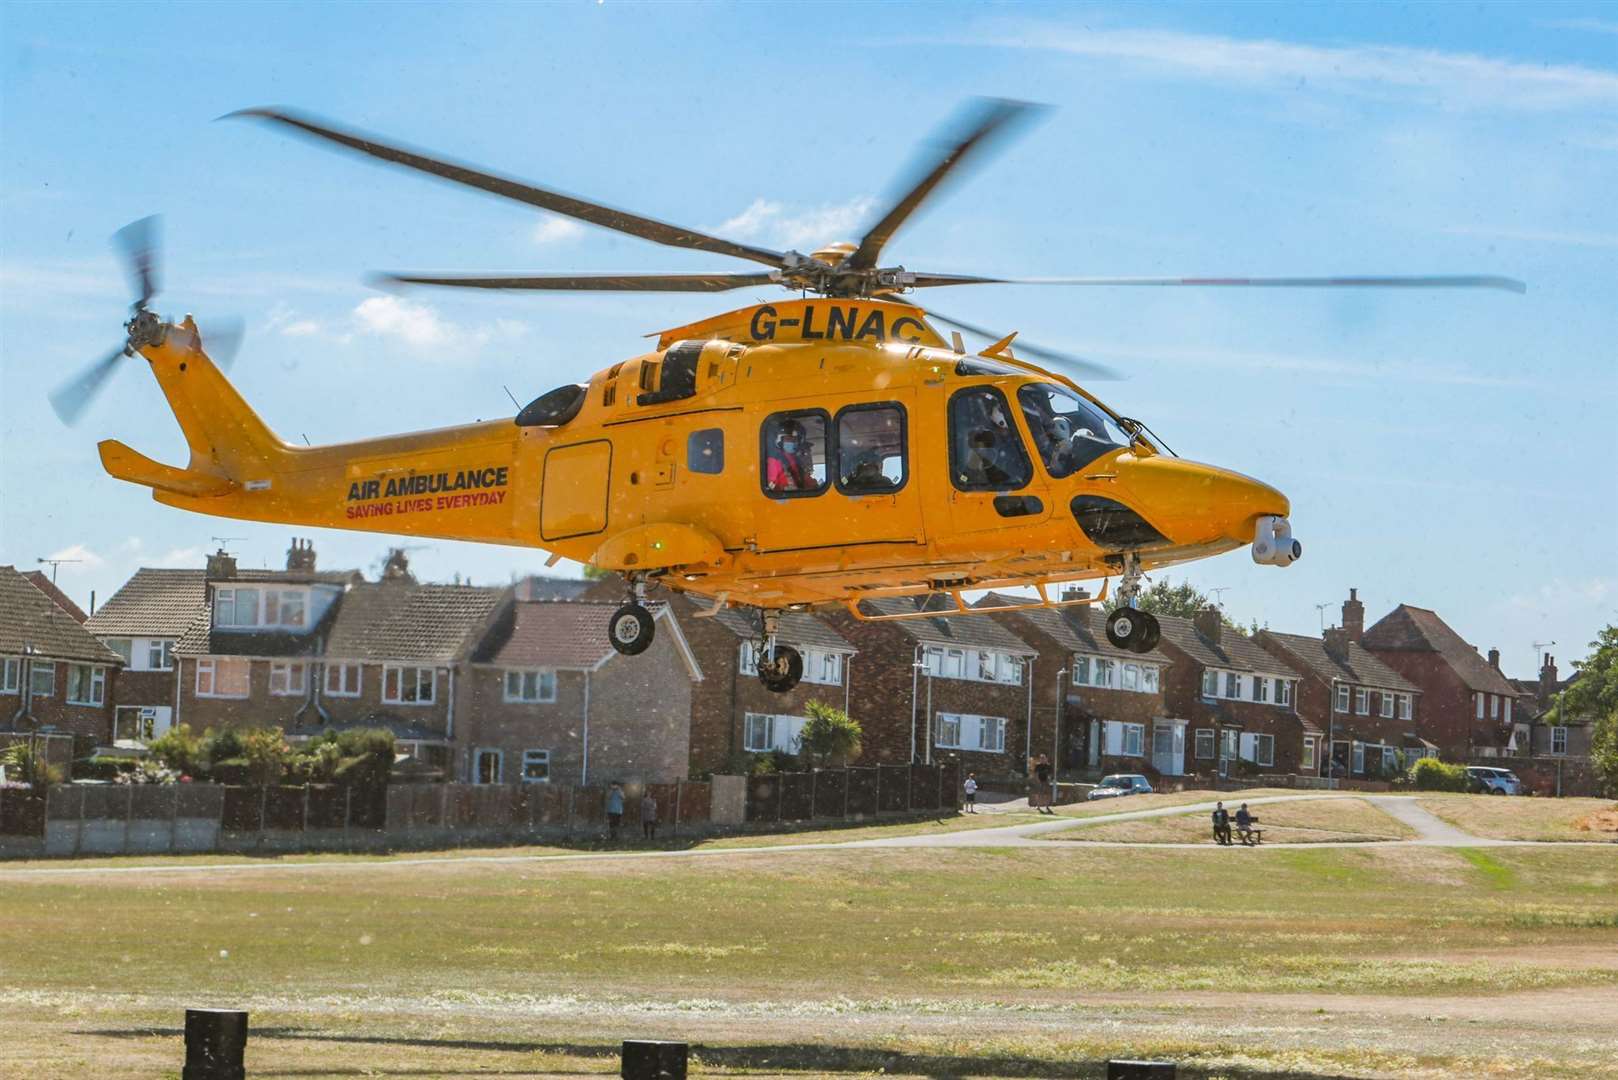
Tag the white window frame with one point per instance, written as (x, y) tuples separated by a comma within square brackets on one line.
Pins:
[(1103, 674), (1081, 670), (1385, 704), (499, 765), (1150, 679), (751, 725), (230, 617), (1507, 718), (1308, 759), (163, 650), (397, 695), (1132, 735), (1558, 741), (1357, 758), (1494, 706), (1404, 701), (1264, 749), (1283, 692), (282, 672), (1209, 735), (208, 671), (1233, 686), (1230, 742), (747, 659), (1341, 704), (124, 647), (542, 681), (10, 674), (1131, 678), (968, 731), (92, 675), (1210, 683), (1362, 701), (36, 667), (341, 669), (1479, 698), (1261, 689), (536, 757)]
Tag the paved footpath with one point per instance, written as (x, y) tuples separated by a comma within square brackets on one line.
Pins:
[(1432, 832)]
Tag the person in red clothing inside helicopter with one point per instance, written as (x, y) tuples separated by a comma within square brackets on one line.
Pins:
[(788, 466)]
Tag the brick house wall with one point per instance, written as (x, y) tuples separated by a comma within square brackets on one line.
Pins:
[(258, 709), (54, 710), (1447, 709), (1182, 684), (1085, 703)]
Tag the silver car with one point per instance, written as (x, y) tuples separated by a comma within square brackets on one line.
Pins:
[(1120, 784), (1491, 781)]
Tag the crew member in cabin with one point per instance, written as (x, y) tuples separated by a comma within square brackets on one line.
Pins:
[(789, 464)]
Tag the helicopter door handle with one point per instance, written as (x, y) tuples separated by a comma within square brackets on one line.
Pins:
[(1102, 476)]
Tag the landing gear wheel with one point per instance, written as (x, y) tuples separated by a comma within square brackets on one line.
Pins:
[(1123, 625), (1151, 633), (782, 673), (631, 629)]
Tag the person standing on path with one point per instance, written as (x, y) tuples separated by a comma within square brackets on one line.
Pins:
[(648, 817), (1042, 790), (971, 787), (615, 810)]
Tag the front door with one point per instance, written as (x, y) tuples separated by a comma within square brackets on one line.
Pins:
[(1168, 748)]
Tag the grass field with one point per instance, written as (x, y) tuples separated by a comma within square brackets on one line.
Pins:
[(1528, 819), (1313, 821), (1375, 961)]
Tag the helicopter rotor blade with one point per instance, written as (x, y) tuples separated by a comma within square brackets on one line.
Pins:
[(222, 339), (139, 241), (1076, 366), (986, 119), (589, 282), (72, 397), (1428, 281), (554, 201)]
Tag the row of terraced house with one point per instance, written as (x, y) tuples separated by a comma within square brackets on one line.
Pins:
[(519, 682)]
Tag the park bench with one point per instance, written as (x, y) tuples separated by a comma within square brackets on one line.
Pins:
[(1252, 835)]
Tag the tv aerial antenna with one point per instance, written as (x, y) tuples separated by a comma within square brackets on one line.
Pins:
[(55, 563)]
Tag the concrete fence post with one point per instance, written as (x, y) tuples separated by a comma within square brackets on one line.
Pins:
[(174, 814), (215, 1040), (679, 785), (129, 811)]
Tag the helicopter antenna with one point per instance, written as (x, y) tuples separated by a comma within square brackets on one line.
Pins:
[(512, 396), (54, 563)]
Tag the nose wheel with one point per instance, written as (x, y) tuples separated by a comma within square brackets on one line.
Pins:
[(631, 628), (1132, 629), (782, 672)]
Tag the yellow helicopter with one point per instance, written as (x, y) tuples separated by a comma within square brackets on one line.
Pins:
[(829, 448)]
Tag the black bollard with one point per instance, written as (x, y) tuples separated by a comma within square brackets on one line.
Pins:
[(215, 1040), (647, 1060), (1141, 1070)]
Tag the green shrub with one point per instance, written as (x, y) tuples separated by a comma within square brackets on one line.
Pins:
[(180, 750), (103, 768), (25, 763), (830, 736), (1430, 774)]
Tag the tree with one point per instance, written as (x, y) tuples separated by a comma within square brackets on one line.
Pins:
[(1184, 600), (1594, 696), (830, 736)]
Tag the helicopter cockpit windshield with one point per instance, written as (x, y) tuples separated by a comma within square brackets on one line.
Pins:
[(1068, 431)]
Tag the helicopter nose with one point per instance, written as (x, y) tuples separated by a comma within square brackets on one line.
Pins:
[(1192, 503)]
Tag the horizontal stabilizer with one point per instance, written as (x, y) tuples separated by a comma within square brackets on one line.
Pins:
[(127, 464)]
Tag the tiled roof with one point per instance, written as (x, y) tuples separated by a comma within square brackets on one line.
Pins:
[(795, 628), (1359, 666), (541, 587), (62, 600), (294, 577), (1075, 629), (31, 620), (397, 620), (1234, 651), (557, 634), (960, 631), (201, 639), (1414, 629), (153, 603)]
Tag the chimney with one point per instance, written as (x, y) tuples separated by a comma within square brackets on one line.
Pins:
[(221, 566), (1073, 592), (1337, 639), (1354, 616), (301, 555), (397, 568), (1494, 659), (1208, 622), (1547, 679)]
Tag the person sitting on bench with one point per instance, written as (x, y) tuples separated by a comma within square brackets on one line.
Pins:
[(1244, 824), (1221, 824)]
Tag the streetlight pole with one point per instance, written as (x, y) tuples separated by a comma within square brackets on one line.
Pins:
[(1056, 738)]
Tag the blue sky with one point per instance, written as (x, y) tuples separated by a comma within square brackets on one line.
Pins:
[(1454, 450)]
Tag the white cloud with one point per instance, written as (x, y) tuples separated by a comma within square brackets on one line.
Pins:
[(284, 321), (551, 229), (420, 326), (803, 227), (1447, 78), (80, 554), (1594, 26)]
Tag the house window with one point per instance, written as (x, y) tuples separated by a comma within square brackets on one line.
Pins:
[(1362, 701), (536, 766), (1508, 711), (1229, 742), (1308, 761), (794, 454), (1558, 740), (223, 676), (705, 451), (121, 646), (283, 607), (1233, 685), (487, 767), (409, 685), (1131, 676), (343, 680), (1265, 745), (762, 732), (1148, 678), (1494, 706), (289, 678), (528, 687), (86, 684), (1404, 706), (1390, 759), (235, 607), (159, 654), (955, 731), (1205, 744), (1283, 691), (999, 668), (1386, 704), (1261, 688), (1124, 740), (830, 667), (1358, 765), (985, 451), (10, 672), (871, 449), (1106, 673), (1210, 684), (1341, 704), (1479, 699), (1081, 671), (42, 678)]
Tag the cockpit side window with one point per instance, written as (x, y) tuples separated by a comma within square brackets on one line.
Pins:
[(794, 451), (1068, 431), (871, 449), (985, 452)]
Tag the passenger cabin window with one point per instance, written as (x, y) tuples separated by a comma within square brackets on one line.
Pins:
[(705, 451), (1068, 431), (794, 452), (985, 452), (871, 449)]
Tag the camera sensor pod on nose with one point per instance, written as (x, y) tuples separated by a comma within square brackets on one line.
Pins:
[(1273, 544)]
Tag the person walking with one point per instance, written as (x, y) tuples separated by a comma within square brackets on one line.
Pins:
[(648, 817), (615, 810), (1221, 824), (1042, 774), (971, 787)]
